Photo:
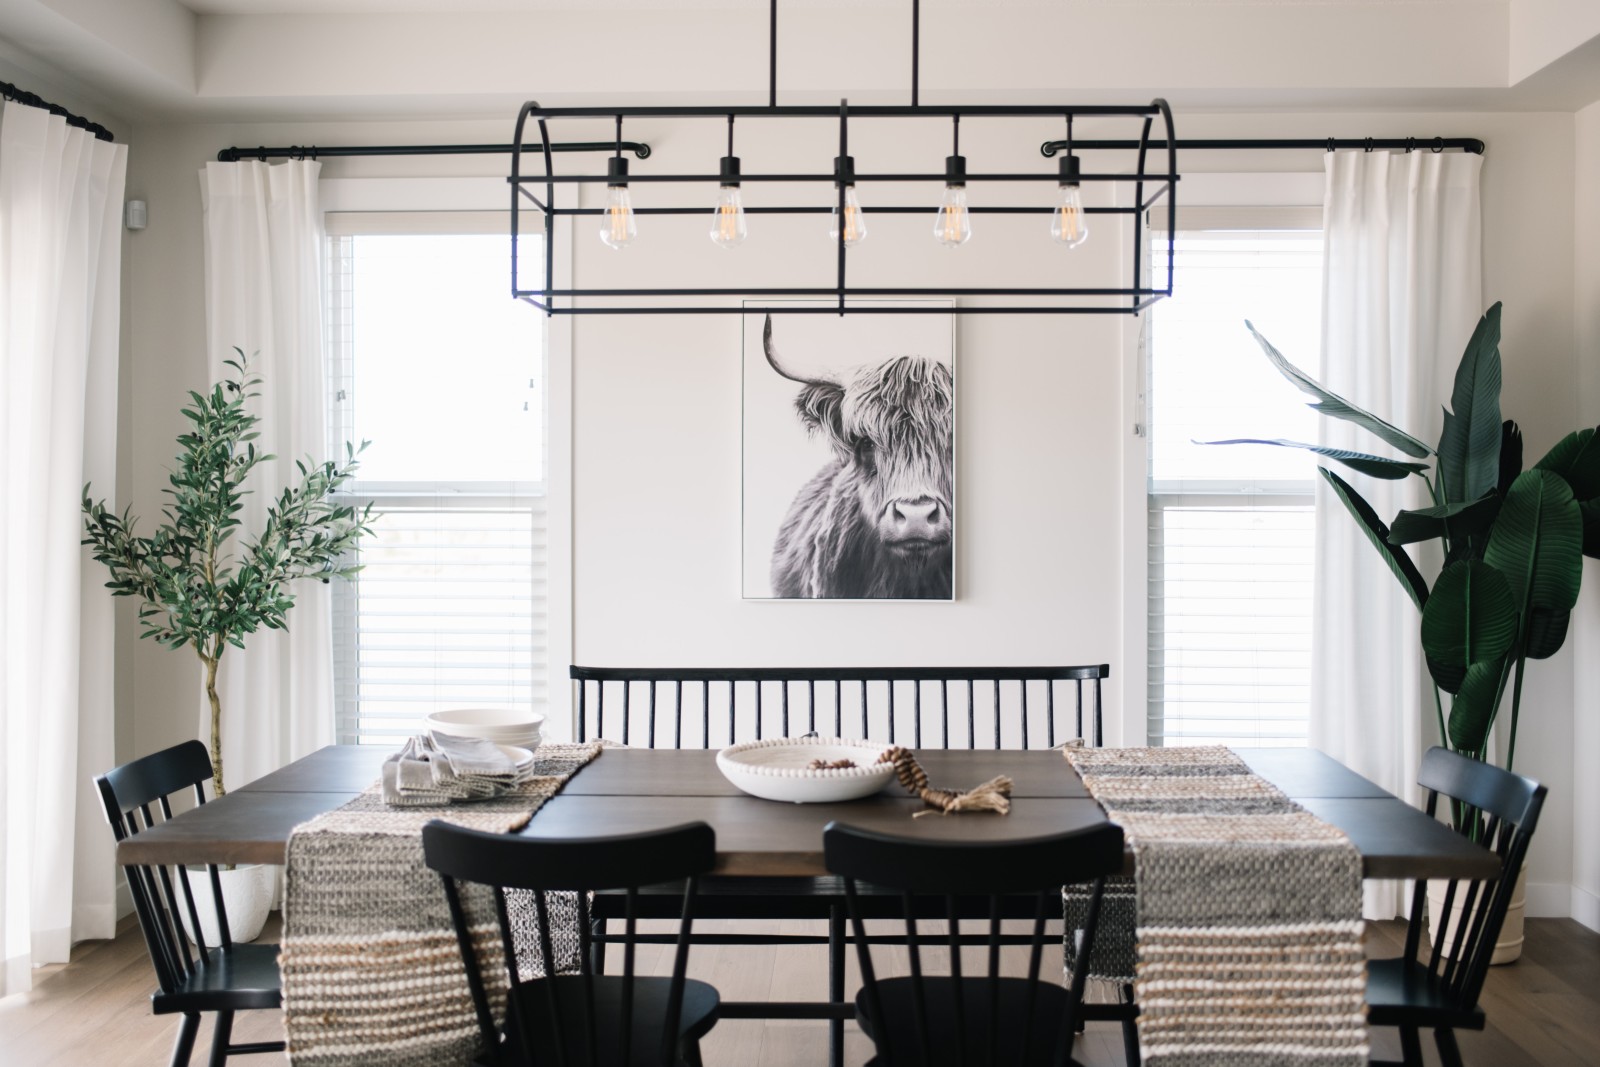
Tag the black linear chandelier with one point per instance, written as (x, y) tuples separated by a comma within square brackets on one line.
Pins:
[(848, 218)]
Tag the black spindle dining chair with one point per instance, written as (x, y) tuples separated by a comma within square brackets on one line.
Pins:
[(1439, 991), (222, 978), (982, 1016), (586, 1019)]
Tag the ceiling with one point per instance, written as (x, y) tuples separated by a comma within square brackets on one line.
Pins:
[(300, 60)]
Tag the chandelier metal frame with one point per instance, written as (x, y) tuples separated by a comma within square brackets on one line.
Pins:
[(1153, 177)]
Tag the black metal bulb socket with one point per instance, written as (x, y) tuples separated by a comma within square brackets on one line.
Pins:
[(616, 173), (730, 171), (844, 170), (955, 170), (1070, 170)]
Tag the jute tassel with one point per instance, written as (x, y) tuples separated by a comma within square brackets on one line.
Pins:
[(993, 795)]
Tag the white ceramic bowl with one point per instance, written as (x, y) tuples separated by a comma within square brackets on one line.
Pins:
[(503, 726), (522, 757), (778, 769)]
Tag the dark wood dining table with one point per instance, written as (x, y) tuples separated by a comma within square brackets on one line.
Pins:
[(630, 789)]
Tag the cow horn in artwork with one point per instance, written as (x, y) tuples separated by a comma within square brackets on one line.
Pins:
[(777, 364)]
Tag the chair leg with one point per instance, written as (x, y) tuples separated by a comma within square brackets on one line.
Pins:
[(1410, 1047), (691, 1053), (597, 933), (221, 1034), (1130, 1030), (1449, 1051), (836, 961), (183, 1047)]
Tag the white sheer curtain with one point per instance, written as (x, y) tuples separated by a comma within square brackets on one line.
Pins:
[(60, 287), (263, 249), (1402, 291)]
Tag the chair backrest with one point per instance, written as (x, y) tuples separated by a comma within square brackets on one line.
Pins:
[(136, 796), (937, 707), (1500, 810), (946, 880), (577, 866)]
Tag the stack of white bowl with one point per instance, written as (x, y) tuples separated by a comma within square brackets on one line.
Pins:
[(504, 726)]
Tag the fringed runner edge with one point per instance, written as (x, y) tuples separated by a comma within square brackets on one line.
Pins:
[(1248, 935), (372, 971)]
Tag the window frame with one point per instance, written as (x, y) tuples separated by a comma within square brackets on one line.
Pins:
[(1261, 200), (468, 205)]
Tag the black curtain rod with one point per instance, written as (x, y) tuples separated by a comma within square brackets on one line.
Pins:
[(22, 96), (642, 150), (1326, 144), (234, 155)]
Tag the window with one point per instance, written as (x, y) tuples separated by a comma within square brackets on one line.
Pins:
[(1230, 527), (434, 364)]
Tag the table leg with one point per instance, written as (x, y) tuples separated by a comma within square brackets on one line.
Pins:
[(836, 963)]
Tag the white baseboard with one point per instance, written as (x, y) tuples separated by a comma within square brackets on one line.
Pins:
[(1549, 900), (1586, 908)]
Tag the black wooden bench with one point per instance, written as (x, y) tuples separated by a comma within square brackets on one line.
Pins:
[(919, 707)]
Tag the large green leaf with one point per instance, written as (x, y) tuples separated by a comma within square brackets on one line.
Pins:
[(1337, 406), (1472, 710), (1399, 562), (1458, 520), (1537, 543), (1377, 466), (1547, 632), (1469, 447), (1510, 455), (1470, 617), (1576, 457)]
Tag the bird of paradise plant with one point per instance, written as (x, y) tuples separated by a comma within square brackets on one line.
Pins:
[(1513, 540)]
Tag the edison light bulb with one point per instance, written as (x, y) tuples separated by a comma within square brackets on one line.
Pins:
[(617, 227), (727, 220), (855, 223), (1068, 224), (953, 226), (727, 225)]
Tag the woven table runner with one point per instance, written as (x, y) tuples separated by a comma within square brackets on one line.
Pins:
[(1247, 913), (372, 970)]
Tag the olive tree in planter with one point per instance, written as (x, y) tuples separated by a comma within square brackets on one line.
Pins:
[(198, 584), (1513, 540)]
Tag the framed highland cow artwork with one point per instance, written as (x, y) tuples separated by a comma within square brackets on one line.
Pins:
[(849, 443)]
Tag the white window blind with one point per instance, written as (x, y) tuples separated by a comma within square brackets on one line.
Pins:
[(433, 363), (1230, 527)]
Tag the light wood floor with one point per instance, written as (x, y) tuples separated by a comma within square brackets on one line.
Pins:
[(1543, 1010)]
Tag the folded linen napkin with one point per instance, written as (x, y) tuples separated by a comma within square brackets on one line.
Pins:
[(433, 771)]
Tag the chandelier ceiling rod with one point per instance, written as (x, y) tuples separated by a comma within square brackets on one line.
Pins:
[(772, 51), (916, 45)]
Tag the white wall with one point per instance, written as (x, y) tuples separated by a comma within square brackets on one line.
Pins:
[(1586, 626), (1041, 415)]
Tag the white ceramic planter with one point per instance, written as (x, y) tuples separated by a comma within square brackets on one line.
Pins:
[(1509, 946), (246, 895)]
